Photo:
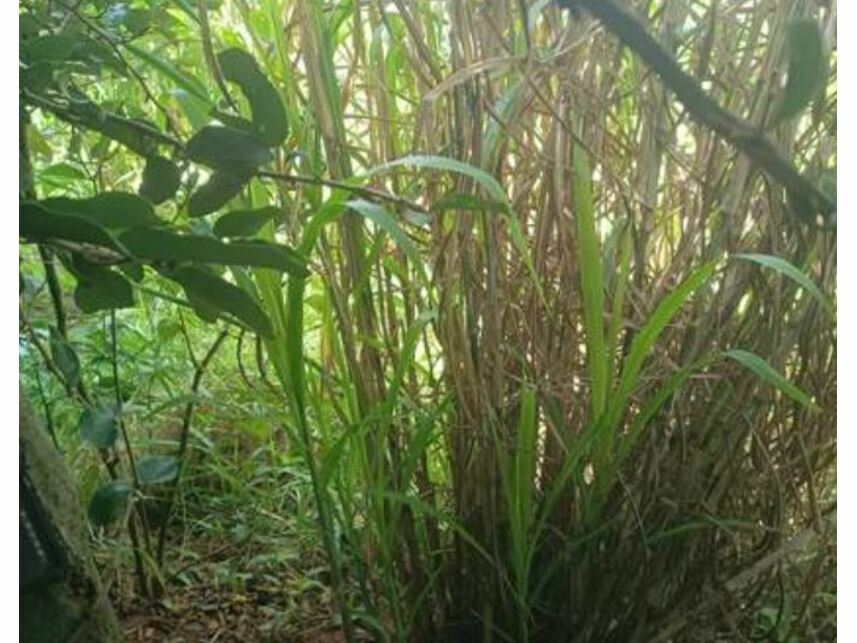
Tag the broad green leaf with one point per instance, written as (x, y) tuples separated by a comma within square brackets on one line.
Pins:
[(37, 78), (157, 469), (108, 503), (99, 426), (28, 26), (591, 282), (161, 180), (51, 48), (220, 189), (37, 223), (785, 268), (244, 223), (100, 288), (110, 210), (65, 358), (808, 67), (769, 375), (157, 244), (61, 175), (227, 147), (209, 294), (266, 106), (235, 122)]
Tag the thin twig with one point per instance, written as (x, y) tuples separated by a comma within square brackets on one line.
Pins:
[(183, 439), (369, 193)]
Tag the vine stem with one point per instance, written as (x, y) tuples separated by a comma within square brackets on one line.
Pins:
[(183, 439)]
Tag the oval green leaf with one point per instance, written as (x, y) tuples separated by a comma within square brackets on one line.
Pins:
[(108, 503), (40, 224), (99, 426), (110, 210), (65, 358), (157, 469), (244, 223), (100, 288), (161, 180), (227, 147), (220, 189)]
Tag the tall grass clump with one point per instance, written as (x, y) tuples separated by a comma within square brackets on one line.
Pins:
[(510, 379)]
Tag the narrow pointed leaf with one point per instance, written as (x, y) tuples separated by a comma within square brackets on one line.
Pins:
[(789, 270), (380, 217), (591, 282), (770, 375)]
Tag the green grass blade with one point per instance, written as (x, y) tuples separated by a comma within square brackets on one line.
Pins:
[(187, 82), (489, 184), (770, 375), (641, 347), (787, 269), (525, 457), (445, 164), (618, 302), (591, 282), (380, 217), (645, 340)]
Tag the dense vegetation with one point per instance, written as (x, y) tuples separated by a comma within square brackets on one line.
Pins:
[(439, 320)]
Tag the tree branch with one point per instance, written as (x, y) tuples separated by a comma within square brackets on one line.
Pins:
[(631, 30)]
